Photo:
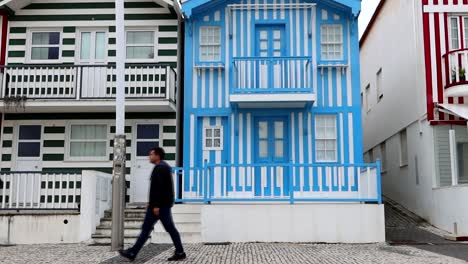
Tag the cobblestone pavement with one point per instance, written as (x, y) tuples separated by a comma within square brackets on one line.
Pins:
[(250, 253)]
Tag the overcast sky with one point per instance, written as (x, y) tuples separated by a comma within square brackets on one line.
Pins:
[(368, 8)]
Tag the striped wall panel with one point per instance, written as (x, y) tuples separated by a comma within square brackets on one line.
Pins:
[(436, 28), (100, 14)]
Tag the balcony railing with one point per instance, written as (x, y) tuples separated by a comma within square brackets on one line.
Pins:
[(272, 75), (37, 190), (86, 81), (280, 183), (456, 65)]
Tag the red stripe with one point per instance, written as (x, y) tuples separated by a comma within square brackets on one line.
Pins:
[(445, 2), (455, 122), (438, 56), (455, 2), (426, 2), (465, 2), (4, 39), (461, 32), (427, 55)]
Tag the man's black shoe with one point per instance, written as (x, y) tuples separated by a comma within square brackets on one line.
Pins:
[(127, 254), (177, 256)]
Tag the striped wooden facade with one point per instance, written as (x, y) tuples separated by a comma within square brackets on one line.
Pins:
[(436, 28), (208, 88)]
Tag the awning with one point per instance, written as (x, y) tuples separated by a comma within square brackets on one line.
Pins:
[(456, 109)]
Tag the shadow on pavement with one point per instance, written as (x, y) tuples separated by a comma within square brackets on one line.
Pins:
[(148, 252)]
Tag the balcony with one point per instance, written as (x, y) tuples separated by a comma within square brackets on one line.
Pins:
[(70, 88), (272, 82), (456, 64)]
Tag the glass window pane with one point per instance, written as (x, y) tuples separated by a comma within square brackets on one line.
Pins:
[(263, 34), (279, 148), (208, 132), (279, 129), (209, 143), (29, 132), (85, 51), (320, 155), (217, 143), (40, 38), (148, 131), (263, 148), (140, 37), (276, 34), (45, 53), (29, 149), (89, 132), (140, 52), (143, 148), (217, 132), (54, 38), (263, 129), (100, 49), (88, 149)]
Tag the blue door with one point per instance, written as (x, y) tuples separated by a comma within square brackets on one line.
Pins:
[(270, 46), (271, 150)]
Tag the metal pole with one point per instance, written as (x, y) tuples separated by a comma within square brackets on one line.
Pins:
[(118, 180)]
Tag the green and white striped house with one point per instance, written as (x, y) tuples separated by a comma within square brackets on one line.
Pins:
[(57, 85)]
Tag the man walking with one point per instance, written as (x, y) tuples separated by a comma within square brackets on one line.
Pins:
[(161, 199)]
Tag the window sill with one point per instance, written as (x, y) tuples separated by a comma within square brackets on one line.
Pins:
[(403, 165), (214, 65), (91, 160)]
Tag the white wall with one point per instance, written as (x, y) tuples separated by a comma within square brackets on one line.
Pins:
[(39, 228), (450, 209), (398, 50), (331, 223)]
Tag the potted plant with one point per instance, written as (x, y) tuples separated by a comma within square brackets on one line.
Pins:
[(461, 73)]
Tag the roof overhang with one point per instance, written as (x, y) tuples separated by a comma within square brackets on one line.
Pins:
[(189, 5), (455, 109)]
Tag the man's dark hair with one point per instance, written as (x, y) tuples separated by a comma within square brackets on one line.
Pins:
[(158, 151)]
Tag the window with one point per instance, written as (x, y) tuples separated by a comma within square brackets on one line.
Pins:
[(462, 156), (368, 106), (29, 141), (140, 45), (466, 31), (332, 42), (210, 43), (454, 33), (325, 138), (403, 148), (88, 141), (379, 85), (93, 46), (213, 138), (383, 156), (45, 46), (147, 138), (371, 156)]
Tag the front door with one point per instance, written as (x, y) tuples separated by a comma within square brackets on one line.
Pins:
[(271, 44), (271, 142), (92, 56), (29, 162), (147, 136)]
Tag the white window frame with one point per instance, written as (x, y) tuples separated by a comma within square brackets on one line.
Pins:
[(29, 46), (465, 30), (450, 32), (213, 138), (379, 85), (214, 45), (135, 135), (323, 43), (326, 138), (68, 132), (93, 32), (155, 44), (403, 160)]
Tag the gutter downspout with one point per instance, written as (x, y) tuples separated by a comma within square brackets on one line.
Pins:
[(180, 92)]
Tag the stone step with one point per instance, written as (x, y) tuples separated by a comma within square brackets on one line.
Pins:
[(176, 217), (177, 209), (103, 239), (186, 237), (135, 230)]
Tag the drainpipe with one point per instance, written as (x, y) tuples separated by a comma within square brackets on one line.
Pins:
[(180, 92)]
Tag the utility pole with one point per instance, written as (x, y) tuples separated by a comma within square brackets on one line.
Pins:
[(118, 179)]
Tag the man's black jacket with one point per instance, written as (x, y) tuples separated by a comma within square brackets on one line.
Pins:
[(162, 187)]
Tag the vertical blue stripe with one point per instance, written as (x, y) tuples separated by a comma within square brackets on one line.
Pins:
[(215, 89), (325, 88), (297, 186), (334, 87), (306, 132)]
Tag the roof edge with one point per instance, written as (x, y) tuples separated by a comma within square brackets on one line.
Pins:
[(371, 22)]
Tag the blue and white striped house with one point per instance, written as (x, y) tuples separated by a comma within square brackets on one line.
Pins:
[(272, 119)]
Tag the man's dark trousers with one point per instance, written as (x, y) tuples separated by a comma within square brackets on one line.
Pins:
[(165, 215)]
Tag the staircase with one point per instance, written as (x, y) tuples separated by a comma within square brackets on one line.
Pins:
[(187, 219)]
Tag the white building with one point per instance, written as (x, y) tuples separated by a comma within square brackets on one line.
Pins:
[(413, 60)]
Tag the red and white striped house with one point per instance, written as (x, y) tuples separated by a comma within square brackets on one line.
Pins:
[(445, 24), (414, 86)]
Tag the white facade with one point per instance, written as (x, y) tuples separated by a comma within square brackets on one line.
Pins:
[(417, 160)]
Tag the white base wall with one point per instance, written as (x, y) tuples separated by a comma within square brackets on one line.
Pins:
[(329, 223), (450, 210), (39, 228)]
